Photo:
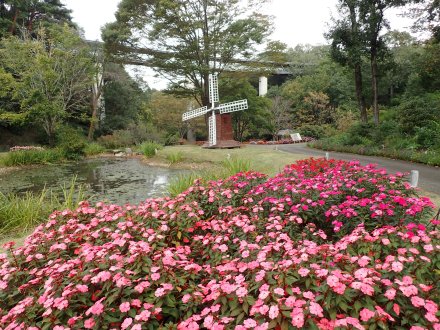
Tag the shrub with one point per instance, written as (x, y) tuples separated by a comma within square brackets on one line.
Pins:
[(314, 131), (93, 149), (418, 111), (150, 148), (240, 253), (119, 138), (71, 141)]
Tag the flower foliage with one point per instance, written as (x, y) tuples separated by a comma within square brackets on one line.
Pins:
[(322, 245)]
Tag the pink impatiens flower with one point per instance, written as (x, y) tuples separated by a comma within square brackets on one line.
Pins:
[(366, 314), (124, 307), (273, 311)]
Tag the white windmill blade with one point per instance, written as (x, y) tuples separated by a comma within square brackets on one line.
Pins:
[(212, 130), (213, 89), (233, 106), (194, 113)]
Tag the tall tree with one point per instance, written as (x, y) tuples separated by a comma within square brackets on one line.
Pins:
[(373, 23), (187, 39), (21, 16), (347, 46), (52, 77)]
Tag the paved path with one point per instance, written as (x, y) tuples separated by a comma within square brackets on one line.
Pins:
[(429, 176)]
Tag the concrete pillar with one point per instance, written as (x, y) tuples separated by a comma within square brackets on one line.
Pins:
[(262, 86)]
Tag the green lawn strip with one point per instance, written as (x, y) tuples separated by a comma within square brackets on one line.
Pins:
[(267, 160)]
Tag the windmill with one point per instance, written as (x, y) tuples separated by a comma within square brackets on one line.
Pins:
[(220, 134)]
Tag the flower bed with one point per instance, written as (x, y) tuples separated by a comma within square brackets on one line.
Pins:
[(25, 148), (283, 141), (323, 245)]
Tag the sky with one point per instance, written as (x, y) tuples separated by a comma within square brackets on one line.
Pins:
[(295, 21)]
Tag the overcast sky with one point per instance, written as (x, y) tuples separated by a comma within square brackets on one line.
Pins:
[(295, 21)]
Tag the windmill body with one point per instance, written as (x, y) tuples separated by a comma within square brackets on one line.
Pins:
[(220, 133)]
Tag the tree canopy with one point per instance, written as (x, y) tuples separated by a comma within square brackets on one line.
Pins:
[(18, 16), (185, 40)]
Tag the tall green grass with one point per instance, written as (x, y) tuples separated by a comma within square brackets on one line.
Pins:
[(228, 168), (21, 213), (93, 148), (150, 148), (29, 157), (175, 157)]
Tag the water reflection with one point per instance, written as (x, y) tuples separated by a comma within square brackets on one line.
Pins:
[(111, 179)]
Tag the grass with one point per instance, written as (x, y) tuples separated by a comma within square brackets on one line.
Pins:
[(175, 158), (265, 159), (215, 164), (30, 157), (19, 214), (228, 168), (94, 148), (149, 149)]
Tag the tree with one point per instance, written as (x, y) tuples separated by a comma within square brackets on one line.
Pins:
[(373, 22), (253, 121), (280, 115), (123, 98), (347, 46), (187, 39), (166, 113), (16, 15), (52, 76)]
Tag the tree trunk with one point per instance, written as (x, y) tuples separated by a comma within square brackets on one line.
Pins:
[(14, 22), (374, 86), (94, 118), (359, 95)]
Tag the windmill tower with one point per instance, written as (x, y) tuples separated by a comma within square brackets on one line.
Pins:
[(220, 133)]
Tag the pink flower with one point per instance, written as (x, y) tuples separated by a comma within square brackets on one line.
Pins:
[(332, 280), (223, 248), (366, 314), (241, 292), (315, 309), (124, 307), (127, 322), (89, 323), (417, 301), (303, 272), (97, 308), (396, 309), (390, 294), (279, 291), (397, 266), (249, 323), (297, 318), (273, 311)]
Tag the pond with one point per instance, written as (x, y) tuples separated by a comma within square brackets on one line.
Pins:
[(114, 180)]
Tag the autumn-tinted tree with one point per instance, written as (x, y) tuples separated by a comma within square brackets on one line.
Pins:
[(185, 40)]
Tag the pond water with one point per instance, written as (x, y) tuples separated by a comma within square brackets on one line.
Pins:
[(115, 180)]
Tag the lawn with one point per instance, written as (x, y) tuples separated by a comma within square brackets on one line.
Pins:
[(267, 160)]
